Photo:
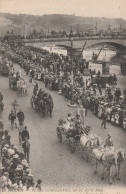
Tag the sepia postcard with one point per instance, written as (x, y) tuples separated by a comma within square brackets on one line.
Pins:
[(63, 96)]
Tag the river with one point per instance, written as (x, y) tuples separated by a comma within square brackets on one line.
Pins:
[(107, 52)]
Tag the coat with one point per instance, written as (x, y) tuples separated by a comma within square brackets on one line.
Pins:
[(26, 145), (25, 134)]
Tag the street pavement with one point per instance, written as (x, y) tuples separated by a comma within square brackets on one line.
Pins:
[(50, 160)]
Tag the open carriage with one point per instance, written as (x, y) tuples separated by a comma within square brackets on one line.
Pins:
[(22, 89), (71, 133)]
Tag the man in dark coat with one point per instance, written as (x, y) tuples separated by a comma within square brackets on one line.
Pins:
[(104, 118), (21, 117), (25, 133), (117, 94), (26, 148), (12, 117)]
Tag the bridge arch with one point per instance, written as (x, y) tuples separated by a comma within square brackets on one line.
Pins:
[(119, 46)]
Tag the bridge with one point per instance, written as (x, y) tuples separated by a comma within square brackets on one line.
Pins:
[(78, 43)]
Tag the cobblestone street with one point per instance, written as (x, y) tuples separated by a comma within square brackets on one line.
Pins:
[(50, 160)]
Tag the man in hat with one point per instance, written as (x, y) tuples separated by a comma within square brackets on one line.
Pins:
[(117, 94), (38, 186), (104, 118), (108, 141), (25, 133), (12, 117), (15, 106), (26, 148), (21, 117)]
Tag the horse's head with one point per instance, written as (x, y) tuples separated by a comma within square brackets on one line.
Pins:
[(121, 155), (92, 144), (111, 159), (97, 140)]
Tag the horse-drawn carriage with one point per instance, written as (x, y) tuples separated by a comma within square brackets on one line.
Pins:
[(22, 88), (108, 159), (18, 84), (71, 132), (44, 105)]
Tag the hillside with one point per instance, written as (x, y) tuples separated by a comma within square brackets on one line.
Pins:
[(20, 23)]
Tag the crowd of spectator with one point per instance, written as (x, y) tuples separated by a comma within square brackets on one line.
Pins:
[(55, 71)]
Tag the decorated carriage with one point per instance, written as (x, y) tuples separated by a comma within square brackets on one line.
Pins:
[(18, 84), (80, 138), (22, 88), (71, 131)]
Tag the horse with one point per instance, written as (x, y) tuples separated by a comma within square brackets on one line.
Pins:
[(87, 146), (110, 162)]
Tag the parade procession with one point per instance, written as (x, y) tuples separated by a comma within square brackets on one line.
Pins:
[(62, 105)]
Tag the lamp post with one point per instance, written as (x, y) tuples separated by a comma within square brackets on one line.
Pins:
[(71, 56)]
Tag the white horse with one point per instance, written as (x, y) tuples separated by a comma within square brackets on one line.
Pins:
[(88, 144), (111, 161)]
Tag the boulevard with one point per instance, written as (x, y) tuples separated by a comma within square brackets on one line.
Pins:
[(50, 160)]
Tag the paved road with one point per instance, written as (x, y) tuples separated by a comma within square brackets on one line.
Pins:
[(50, 160)]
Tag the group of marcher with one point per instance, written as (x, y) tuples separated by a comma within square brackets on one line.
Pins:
[(41, 101)]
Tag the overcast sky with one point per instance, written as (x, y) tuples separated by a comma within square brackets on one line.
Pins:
[(87, 8)]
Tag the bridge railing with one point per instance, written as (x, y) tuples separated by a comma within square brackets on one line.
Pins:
[(74, 39)]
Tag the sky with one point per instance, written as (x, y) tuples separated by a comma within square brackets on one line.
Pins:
[(87, 8)]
